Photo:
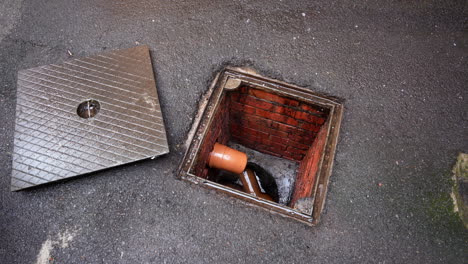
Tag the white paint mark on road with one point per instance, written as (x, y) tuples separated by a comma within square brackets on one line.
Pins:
[(61, 240), (44, 254), (65, 238)]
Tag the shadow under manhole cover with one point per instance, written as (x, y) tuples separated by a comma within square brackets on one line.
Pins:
[(85, 115), (289, 131)]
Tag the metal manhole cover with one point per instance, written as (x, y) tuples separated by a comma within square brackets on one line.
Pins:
[(84, 115)]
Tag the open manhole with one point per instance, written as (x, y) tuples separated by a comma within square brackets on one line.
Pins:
[(289, 131)]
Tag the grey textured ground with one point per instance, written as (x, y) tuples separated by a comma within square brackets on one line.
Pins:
[(401, 67)]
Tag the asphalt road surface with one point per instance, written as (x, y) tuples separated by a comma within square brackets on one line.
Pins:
[(400, 66)]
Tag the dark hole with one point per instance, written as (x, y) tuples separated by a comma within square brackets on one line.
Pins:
[(88, 108), (276, 132)]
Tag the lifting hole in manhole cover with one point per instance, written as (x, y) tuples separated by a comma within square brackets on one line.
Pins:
[(89, 108)]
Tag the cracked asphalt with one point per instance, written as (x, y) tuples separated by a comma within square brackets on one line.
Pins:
[(401, 68)]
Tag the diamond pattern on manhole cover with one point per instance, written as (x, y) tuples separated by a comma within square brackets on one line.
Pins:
[(85, 115)]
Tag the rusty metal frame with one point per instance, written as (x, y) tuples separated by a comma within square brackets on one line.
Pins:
[(232, 78)]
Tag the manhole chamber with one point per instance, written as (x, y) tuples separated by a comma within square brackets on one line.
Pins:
[(286, 129)]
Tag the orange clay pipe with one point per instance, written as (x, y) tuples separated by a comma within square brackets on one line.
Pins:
[(226, 158), (250, 185)]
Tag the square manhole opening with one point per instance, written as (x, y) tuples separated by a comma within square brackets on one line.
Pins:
[(289, 131)]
